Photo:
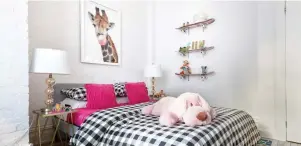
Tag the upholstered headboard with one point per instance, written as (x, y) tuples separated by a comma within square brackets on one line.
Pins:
[(58, 97)]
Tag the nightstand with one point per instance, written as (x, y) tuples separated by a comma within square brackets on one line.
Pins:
[(56, 119)]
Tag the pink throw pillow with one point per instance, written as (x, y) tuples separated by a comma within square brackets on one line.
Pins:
[(137, 92), (100, 96)]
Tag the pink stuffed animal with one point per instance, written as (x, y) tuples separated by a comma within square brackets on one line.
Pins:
[(190, 108), (196, 115), (158, 107)]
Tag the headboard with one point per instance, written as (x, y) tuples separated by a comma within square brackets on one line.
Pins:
[(58, 96)]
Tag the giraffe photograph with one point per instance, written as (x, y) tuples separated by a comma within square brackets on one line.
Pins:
[(100, 34)]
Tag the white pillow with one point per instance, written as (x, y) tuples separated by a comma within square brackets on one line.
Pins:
[(74, 103)]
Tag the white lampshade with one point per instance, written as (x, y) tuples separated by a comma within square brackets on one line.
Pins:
[(46, 60), (152, 71)]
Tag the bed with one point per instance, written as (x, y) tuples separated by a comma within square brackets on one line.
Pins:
[(126, 126)]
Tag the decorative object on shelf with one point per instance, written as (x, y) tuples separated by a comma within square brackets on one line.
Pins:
[(201, 44), (204, 69), (183, 50), (192, 46), (203, 24), (49, 61), (202, 16), (195, 46), (153, 71), (204, 74), (185, 69), (100, 42)]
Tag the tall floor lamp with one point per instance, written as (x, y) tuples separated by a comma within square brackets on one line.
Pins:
[(153, 71), (49, 61)]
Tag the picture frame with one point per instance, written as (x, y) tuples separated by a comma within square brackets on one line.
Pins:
[(100, 33)]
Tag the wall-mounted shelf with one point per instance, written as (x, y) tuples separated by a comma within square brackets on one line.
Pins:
[(197, 24), (202, 50), (203, 76)]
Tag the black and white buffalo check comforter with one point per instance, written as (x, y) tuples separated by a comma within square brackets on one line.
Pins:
[(126, 126)]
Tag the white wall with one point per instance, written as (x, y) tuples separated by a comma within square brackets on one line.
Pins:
[(269, 104), (248, 57), (56, 24), (14, 73), (293, 70)]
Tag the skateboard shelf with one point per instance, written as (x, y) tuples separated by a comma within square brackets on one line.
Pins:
[(203, 76), (197, 24), (202, 50)]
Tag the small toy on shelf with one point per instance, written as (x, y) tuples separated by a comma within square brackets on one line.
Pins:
[(204, 69), (201, 44), (192, 46), (205, 73), (186, 70), (183, 50)]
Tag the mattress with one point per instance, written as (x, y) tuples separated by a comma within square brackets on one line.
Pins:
[(126, 126)]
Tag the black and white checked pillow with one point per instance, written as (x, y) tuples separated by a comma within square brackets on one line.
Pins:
[(120, 90), (76, 93)]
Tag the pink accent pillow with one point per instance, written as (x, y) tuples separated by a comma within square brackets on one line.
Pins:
[(137, 92), (100, 96)]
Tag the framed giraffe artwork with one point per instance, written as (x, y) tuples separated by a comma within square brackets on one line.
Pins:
[(100, 33)]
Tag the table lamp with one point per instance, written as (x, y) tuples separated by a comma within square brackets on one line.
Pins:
[(153, 71), (49, 61)]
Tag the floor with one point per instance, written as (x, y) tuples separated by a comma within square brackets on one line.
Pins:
[(282, 143)]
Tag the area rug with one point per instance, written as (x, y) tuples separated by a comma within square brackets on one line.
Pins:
[(264, 142)]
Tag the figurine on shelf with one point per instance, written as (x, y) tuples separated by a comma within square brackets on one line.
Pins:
[(185, 69), (183, 50), (201, 44), (160, 94), (204, 69)]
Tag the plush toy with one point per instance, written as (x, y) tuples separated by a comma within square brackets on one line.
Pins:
[(160, 94), (183, 50), (189, 108), (158, 107), (196, 115), (185, 68)]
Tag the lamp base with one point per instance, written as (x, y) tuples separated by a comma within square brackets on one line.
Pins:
[(153, 87), (49, 92), (46, 111)]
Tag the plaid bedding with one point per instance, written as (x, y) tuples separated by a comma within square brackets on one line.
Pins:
[(126, 126)]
